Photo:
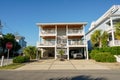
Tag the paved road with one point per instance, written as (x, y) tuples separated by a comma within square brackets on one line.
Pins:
[(61, 75)]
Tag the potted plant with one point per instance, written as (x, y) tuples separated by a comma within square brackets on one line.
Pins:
[(61, 52)]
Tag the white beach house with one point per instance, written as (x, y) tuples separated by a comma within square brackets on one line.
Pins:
[(68, 36)]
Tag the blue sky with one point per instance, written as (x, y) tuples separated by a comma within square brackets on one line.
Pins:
[(21, 16)]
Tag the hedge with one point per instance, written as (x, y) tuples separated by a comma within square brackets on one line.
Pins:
[(113, 50), (21, 59), (103, 57)]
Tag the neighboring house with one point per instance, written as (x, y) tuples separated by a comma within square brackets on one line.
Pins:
[(106, 23), (22, 42), (66, 36)]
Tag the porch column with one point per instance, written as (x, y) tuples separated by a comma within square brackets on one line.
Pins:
[(87, 56), (113, 37), (42, 53), (55, 53), (56, 42), (39, 34), (67, 42), (68, 52)]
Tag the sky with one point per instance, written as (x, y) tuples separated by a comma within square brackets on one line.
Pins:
[(20, 16)]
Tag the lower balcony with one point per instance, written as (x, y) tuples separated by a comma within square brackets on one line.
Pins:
[(76, 44)]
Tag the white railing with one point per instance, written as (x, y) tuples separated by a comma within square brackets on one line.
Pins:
[(48, 32), (46, 44), (75, 31), (76, 43), (116, 42)]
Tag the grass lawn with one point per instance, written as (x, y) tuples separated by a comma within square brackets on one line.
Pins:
[(12, 66)]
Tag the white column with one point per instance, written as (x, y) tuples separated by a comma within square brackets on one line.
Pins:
[(113, 37), (39, 34), (42, 53), (56, 42), (68, 53), (67, 42), (86, 45), (87, 56)]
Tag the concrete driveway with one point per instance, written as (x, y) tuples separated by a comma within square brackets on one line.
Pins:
[(51, 64)]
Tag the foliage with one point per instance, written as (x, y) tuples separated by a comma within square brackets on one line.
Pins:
[(96, 38), (104, 57), (12, 66), (21, 59), (61, 52), (30, 51), (104, 38), (115, 50), (99, 38), (9, 38), (117, 32)]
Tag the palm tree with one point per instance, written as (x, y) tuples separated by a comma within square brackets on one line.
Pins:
[(96, 38), (61, 52), (117, 30), (30, 51), (104, 39), (99, 38)]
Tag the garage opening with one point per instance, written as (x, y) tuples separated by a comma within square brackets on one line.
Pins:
[(49, 53), (76, 53)]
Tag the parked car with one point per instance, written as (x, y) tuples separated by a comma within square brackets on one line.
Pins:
[(76, 54)]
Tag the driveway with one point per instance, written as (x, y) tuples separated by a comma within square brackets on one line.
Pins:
[(52, 64)]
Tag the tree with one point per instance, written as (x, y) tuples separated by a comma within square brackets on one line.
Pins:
[(9, 37), (117, 30), (30, 51), (96, 38), (99, 38), (104, 39), (61, 52)]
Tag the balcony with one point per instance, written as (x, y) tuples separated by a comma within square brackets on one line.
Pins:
[(49, 44), (75, 32), (76, 43), (48, 33), (117, 43)]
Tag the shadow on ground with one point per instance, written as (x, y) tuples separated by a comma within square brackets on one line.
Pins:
[(82, 77)]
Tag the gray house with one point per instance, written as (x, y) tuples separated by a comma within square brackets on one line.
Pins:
[(106, 23)]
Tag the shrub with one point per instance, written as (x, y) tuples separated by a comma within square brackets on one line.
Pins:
[(93, 53), (26, 58), (104, 57), (21, 59)]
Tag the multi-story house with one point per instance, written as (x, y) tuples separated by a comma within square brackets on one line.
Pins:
[(106, 23), (66, 36), (21, 41)]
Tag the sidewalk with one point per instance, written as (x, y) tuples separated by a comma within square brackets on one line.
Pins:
[(63, 65)]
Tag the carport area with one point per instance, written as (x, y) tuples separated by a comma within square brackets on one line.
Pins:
[(77, 53), (48, 52)]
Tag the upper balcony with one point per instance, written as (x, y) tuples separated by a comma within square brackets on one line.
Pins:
[(47, 32), (75, 32)]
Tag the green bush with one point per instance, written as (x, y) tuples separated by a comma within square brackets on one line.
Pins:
[(113, 50), (26, 58), (104, 57), (21, 59), (93, 53)]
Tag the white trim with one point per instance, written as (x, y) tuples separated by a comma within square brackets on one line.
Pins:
[(113, 38), (72, 23)]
